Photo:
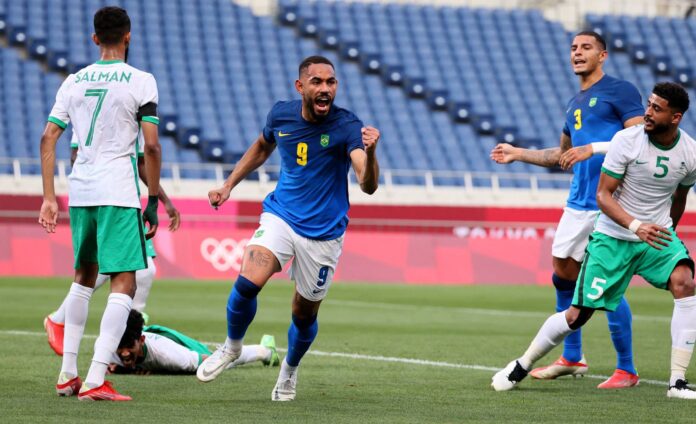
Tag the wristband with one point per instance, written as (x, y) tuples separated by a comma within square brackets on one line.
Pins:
[(634, 225), (600, 147)]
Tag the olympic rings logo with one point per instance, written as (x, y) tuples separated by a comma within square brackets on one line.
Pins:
[(225, 254)]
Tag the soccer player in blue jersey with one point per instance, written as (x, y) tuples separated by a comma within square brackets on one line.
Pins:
[(305, 217), (604, 106)]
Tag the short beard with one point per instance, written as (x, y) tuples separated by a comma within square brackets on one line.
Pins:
[(658, 129)]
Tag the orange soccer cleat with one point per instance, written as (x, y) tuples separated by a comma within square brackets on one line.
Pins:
[(620, 380), (55, 332), (561, 367), (104, 392)]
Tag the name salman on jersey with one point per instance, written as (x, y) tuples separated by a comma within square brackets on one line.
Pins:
[(100, 76)]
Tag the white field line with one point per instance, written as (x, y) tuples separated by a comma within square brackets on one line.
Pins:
[(376, 358), (475, 311)]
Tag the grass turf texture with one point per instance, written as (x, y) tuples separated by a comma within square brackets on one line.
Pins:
[(458, 325)]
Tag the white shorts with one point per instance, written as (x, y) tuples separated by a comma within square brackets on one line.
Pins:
[(572, 234), (315, 260)]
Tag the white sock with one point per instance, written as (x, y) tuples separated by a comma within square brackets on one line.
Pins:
[(76, 306), (101, 279), (143, 282), (113, 325), (683, 337), (251, 353), (286, 371), (233, 345), (554, 330)]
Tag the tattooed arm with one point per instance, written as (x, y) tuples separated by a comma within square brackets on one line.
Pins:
[(505, 153)]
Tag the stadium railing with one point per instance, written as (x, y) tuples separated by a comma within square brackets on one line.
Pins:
[(429, 179)]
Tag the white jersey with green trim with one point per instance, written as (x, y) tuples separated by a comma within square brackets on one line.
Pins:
[(103, 101), (165, 355), (649, 174)]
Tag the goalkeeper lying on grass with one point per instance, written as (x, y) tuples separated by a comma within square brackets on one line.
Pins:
[(158, 349)]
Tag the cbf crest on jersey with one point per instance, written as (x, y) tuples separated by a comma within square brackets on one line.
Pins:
[(593, 101), (324, 140)]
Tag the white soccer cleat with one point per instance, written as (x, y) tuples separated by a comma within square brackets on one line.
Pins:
[(559, 368), (681, 390), (216, 363), (285, 388), (507, 378)]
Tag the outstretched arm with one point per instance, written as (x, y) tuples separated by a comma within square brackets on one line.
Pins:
[(505, 153), (254, 157), (365, 162), (48, 215), (653, 234), (580, 153)]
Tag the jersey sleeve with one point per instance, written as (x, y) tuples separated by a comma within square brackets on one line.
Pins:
[(268, 134), (140, 142), (59, 112), (74, 142), (617, 158), (147, 111), (689, 180), (170, 356), (354, 135), (627, 101)]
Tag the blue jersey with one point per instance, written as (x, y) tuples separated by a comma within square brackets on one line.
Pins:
[(594, 115), (312, 191)]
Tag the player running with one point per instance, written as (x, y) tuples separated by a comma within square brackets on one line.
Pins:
[(305, 217), (158, 349), (54, 323), (106, 102), (603, 106), (646, 176)]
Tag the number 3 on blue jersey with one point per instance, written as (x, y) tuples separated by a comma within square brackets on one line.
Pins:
[(578, 118), (302, 154)]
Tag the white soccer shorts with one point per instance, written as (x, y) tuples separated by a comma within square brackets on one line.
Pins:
[(315, 260), (572, 234)]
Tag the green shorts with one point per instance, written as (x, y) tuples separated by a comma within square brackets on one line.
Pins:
[(111, 236), (610, 264)]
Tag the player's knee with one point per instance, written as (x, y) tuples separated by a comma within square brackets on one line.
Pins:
[(566, 269), (577, 317), (681, 282)]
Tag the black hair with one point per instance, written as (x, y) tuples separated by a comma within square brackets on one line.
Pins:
[(596, 36), (134, 329), (313, 60), (676, 96), (111, 24)]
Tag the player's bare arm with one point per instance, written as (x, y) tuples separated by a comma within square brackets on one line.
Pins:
[(581, 153), (153, 166), (678, 204), (48, 215), (365, 162), (172, 211), (505, 153), (653, 234), (254, 157)]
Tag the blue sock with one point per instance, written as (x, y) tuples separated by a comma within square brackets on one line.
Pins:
[(301, 334), (572, 345), (241, 307), (621, 335)]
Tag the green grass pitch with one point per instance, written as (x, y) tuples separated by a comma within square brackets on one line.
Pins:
[(467, 331)]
